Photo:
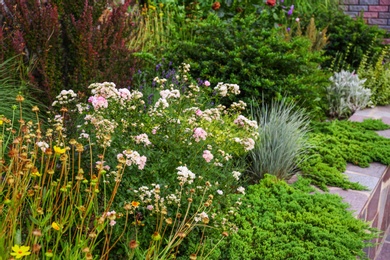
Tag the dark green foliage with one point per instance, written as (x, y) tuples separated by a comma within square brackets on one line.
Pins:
[(337, 143), (349, 39), (278, 221), (262, 62)]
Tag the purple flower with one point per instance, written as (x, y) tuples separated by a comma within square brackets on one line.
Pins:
[(288, 29), (282, 1), (290, 12)]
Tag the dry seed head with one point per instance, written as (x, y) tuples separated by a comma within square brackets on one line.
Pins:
[(37, 232), (19, 98), (181, 234), (35, 109), (189, 200), (133, 244), (193, 257), (168, 221), (225, 234)]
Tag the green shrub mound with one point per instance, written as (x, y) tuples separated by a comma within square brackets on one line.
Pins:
[(261, 61), (337, 143), (278, 221)]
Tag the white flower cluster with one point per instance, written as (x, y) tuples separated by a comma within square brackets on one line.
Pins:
[(172, 93), (185, 175), (65, 97), (236, 175), (225, 89), (241, 105), (42, 145)]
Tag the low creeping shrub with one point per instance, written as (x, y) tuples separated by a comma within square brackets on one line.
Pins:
[(277, 221), (336, 143)]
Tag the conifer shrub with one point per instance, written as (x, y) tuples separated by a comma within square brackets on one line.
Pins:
[(262, 62), (278, 221), (336, 143)]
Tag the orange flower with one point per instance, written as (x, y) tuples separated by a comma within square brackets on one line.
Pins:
[(216, 6), (135, 204)]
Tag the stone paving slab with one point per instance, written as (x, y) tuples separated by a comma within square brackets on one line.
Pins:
[(356, 199), (375, 169), (368, 181), (384, 133), (385, 252)]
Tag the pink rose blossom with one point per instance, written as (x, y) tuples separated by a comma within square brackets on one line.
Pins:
[(207, 155)]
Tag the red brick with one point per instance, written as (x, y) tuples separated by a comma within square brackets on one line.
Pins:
[(378, 8), (370, 14), (384, 2)]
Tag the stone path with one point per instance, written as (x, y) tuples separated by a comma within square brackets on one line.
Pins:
[(372, 205)]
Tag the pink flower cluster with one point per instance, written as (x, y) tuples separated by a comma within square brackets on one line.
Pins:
[(133, 157), (199, 134), (207, 155), (98, 102), (142, 138)]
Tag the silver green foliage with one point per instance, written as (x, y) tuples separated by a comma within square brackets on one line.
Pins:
[(282, 140), (346, 94)]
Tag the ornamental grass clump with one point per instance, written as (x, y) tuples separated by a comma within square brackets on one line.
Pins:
[(282, 140)]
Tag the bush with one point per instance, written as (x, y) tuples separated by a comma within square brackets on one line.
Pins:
[(174, 124), (282, 139), (278, 221), (376, 70), (261, 61), (72, 44), (346, 94), (349, 39)]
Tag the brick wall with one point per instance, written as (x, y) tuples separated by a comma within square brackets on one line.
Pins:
[(376, 12)]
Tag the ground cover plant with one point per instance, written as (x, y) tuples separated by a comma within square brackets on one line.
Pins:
[(289, 223), (337, 143)]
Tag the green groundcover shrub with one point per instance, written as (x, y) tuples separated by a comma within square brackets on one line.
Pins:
[(277, 221), (261, 61), (337, 143)]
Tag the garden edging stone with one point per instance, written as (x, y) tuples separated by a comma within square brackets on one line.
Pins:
[(372, 205)]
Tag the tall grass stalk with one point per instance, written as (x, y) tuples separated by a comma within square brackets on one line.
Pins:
[(13, 82), (282, 140)]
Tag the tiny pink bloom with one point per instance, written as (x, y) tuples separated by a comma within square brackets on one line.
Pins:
[(149, 207), (207, 83), (207, 155), (112, 223), (198, 112), (154, 131)]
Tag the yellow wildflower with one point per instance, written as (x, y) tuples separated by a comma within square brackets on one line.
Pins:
[(55, 226), (20, 251), (58, 150)]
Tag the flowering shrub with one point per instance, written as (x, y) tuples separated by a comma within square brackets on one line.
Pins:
[(177, 132)]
